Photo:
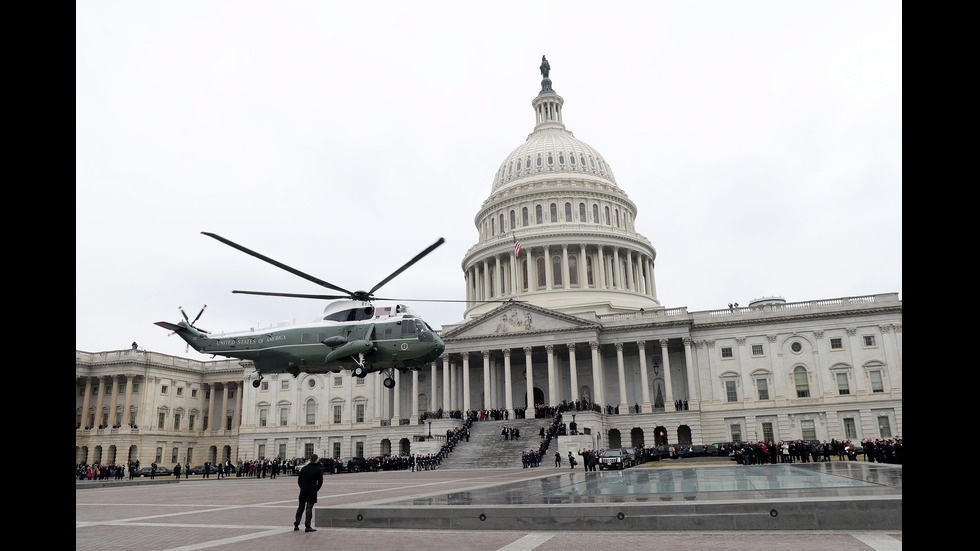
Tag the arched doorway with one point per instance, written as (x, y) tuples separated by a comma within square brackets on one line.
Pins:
[(659, 436), (404, 446), (684, 434), (615, 439), (538, 398), (636, 437), (386, 447)]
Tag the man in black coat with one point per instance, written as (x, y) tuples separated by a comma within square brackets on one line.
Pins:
[(310, 479)]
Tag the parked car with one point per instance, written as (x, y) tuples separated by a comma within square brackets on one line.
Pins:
[(632, 456), (161, 471), (613, 459), (350, 465), (697, 450)]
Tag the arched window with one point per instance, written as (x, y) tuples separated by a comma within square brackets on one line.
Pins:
[(542, 282), (311, 412), (588, 271), (607, 217), (539, 160), (538, 217), (802, 384), (568, 212), (524, 220), (556, 270), (513, 219), (502, 229), (510, 168), (551, 160), (581, 212), (527, 164), (554, 213), (572, 271), (617, 218), (493, 227), (595, 214)]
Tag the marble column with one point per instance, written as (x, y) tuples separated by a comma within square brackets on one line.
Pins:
[(128, 400), (466, 381), (486, 380), (572, 371), (599, 398), (530, 380), (552, 387), (623, 404), (668, 386), (445, 383), (508, 391), (85, 402), (236, 419), (396, 418), (645, 407), (413, 416)]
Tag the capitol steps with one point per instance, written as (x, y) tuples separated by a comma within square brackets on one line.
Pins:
[(486, 449)]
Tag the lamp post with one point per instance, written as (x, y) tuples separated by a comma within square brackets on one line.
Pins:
[(430, 430)]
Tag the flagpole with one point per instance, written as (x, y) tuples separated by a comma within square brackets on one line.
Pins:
[(517, 267)]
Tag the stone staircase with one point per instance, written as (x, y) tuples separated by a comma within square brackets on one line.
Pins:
[(486, 450)]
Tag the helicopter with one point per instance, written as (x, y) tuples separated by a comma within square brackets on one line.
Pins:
[(352, 334)]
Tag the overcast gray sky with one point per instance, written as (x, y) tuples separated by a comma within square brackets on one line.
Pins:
[(761, 142)]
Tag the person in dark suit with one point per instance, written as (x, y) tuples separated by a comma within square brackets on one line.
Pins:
[(310, 479)]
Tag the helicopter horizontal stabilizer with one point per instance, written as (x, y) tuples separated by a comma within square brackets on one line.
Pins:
[(351, 348), (168, 325)]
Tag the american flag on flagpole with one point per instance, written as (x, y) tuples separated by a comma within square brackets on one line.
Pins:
[(517, 246)]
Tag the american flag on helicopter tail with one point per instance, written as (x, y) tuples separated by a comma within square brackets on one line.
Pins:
[(517, 246)]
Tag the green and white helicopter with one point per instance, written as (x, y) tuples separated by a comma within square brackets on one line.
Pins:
[(353, 334)]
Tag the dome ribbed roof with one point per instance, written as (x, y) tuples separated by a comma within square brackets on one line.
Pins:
[(552, 152)]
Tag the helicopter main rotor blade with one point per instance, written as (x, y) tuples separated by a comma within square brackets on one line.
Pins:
[(418, 257), (278, 264), (293, 295), (444, 300)]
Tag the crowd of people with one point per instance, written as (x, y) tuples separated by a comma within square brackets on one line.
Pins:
[(888, 450)]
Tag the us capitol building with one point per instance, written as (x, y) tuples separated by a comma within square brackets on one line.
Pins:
[(588, 330)]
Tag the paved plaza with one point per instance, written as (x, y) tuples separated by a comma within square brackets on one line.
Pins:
[(676, 507)]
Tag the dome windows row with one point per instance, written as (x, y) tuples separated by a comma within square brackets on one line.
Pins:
[(576, 162), (604, 215)]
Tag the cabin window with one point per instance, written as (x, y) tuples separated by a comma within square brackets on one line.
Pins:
[(408, 327), (387, 332), (306, 338)]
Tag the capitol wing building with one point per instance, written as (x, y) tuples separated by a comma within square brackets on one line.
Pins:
[(575, 323)]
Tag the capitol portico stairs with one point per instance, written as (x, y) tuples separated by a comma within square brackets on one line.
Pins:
[(487, 450)]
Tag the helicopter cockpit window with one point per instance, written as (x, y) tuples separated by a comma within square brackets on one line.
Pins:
[(408, 326)]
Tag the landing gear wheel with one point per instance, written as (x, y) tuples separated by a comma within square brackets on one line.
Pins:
[(360, 371), (256, 383), (389, 382)]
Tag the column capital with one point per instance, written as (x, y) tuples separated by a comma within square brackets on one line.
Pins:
[(642, 345), (527, 350), (506, 352), (619, 347)]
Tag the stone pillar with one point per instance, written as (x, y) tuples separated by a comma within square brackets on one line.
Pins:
[(466, 381), (508, 391), (224, 405), (668, 390), (645, 407), (618, 277), (433, 404), (85, 401), (396, 417), (445, 383), (548, 272), (413, 416), (600, 270), (453, 386), (214, 397), (98, 401), (128, 400), (565, 283), (113, 395), (892, 356), (236, 418), (630, 280), (583, 269), (572, 371), (599, 398), (693, 384), (623, 404), (530, 380), (487, 404), (552, 387)]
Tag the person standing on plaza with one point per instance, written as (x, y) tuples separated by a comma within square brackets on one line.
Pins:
[(310, 480)]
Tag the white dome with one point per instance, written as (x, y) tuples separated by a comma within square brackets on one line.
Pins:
[(551, 153)]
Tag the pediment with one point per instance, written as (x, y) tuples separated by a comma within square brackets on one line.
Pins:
[(517, 319)]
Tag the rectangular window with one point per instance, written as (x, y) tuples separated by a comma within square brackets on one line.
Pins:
[(164, 389), (876, 384), (173, 455), (261, 451), (359, 449), (359, 381), (308, 449), (161, 420), (869, 341), (282, 450), (763, 386), (767, 433), (884, 427), (757, 350), (337, 410), (310, 413), (190, 422), (807, 430), (283, 416), (730, 391), (850, 428), (193, 393), (338, 381), (360, 413), (836, 343), (842, 387), (176, 421), (726, 352), (263, 417), (158, 457), (180, 391), (336, 450), (736, 433), (306, 338), (284, 384), (265, 386)]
